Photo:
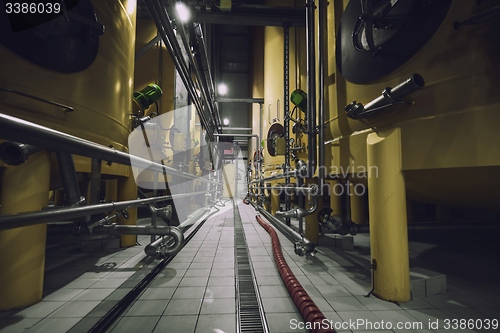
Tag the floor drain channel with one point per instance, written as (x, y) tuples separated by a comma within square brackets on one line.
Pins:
[(250, 311)]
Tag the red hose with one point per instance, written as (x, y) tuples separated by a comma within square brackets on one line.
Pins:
[(309, 311)]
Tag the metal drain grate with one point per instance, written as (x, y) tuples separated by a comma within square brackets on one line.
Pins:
[(250, 314)]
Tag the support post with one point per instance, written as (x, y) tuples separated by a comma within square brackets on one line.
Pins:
[(22, 250), (388, 224)]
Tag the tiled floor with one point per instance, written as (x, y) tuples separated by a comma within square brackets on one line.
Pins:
[(196, 292)]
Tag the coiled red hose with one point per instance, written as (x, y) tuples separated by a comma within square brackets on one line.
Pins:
[(308, 309)]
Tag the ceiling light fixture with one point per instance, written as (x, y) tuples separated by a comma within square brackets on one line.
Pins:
[(183, 12)]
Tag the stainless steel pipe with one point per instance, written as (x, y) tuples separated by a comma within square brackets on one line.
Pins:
[(58, 214), (31, 133)]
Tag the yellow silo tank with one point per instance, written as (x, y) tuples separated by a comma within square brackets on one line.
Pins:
[(101, 97)]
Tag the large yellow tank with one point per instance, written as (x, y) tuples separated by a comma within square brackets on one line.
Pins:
[(101, 97), (448, 137), (100, 94)]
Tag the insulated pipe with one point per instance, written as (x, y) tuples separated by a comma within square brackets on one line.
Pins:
[(303, 246), (15, 153), (70, 182), (308, 309), (58, 214), (311, 89), (31, 133)]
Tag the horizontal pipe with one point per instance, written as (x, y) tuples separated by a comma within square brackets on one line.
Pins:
[(306, 246), (196, 216), (119, 229), (110, 317), (58, 214), (389, 97), (280, 176), (237, 129), (291, 187), (15, 153), (397, 93), (21, 130), (300, 212)]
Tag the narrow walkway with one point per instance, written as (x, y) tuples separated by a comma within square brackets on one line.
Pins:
[(196, 292)]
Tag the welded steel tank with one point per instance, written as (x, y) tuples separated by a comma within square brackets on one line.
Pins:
[(449, 135), (98, 88)]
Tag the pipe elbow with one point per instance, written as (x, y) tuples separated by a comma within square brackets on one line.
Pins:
[(161, 249)]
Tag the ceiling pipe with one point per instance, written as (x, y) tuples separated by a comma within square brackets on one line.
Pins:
[(207, 74), (166, 30), (201, 82)]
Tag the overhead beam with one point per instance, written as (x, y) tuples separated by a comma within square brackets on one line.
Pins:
[(245, 14)]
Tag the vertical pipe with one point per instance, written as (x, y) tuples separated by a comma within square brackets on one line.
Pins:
[(127, 190), (311, 89), (300, 197), (286, 111), (388, 224), (111, 194), (312, 226), (321, 64), (69, 179), (95, 181), (22, 250)]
